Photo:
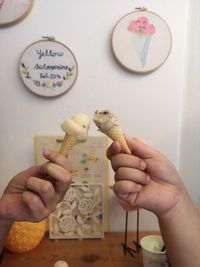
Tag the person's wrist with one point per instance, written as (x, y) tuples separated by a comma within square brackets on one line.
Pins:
[(183, 203), (5, 225)]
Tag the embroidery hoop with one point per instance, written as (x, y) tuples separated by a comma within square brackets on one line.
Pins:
[(129, 49), (8, 20), (48, 86)]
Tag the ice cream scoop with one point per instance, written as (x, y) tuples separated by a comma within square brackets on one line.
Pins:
[(76, 130), (107, 123)]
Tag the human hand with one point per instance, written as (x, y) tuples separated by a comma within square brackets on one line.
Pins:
[(34, 193), (146, 179)]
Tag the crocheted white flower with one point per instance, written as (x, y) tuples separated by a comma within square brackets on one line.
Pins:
[(70, 195), (86, 206), (67, 223)]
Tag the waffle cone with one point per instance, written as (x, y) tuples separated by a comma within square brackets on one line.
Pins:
[(116, 134), (68, 143)]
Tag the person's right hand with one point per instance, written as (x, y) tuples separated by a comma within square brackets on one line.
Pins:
[(146, 179), (34, 193)]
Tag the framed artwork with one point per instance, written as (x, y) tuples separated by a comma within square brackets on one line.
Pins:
[(88, 160), (48, 68), (141, 41), (13, 11), (80, 214)]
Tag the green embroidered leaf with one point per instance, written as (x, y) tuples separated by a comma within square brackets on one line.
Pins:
[(23, 66)]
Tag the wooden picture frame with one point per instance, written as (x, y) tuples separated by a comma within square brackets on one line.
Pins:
[(141, 41), (13, 11), (48, 68)]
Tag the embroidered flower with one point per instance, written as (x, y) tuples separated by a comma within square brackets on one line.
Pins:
[(49, 84), (141, 26)]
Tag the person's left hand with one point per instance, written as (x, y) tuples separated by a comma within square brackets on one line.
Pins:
[(145, 179), (34, 193)]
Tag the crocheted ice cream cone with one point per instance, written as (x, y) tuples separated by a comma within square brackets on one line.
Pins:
[(107, 123), (76, 130)]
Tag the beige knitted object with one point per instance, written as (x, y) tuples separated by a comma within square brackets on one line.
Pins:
[(68, 143), (76, 130), (116, 134)]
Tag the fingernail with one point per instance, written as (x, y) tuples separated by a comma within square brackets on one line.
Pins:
[(123, 195), (114, 145), (138, 187), (142, 165), (148, 178), (46, 153)]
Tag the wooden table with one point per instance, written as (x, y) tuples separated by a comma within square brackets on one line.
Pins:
[(105, 252)]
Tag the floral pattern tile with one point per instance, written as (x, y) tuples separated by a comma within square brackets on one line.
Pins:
[(80, 214)]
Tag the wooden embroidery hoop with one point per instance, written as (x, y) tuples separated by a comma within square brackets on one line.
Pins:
[(50, 40), (115, 37), (24, 14)]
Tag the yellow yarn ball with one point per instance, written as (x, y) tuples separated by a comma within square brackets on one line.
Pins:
[(25, 236)]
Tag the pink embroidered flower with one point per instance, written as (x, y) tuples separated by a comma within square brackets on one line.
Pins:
[(142, 26), (150, 29)]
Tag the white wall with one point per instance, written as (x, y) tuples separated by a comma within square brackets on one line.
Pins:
[(148, 106), (190, 131)]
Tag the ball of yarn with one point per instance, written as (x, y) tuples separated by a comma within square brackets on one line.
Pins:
[(61, 264), (25, 236)]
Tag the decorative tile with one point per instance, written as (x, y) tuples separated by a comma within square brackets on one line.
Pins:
[(80, 214)]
